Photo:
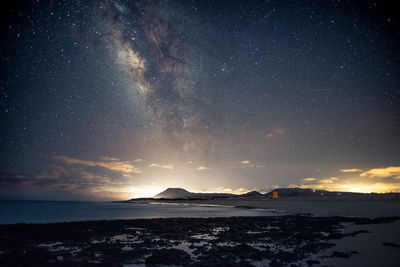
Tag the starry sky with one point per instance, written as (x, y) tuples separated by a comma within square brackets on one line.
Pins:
[(116, 99)]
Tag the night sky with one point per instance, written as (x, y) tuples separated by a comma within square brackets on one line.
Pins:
[(120, 99)]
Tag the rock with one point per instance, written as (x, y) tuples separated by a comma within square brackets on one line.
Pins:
[(168, 257)]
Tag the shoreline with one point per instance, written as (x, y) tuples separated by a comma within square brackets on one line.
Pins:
[(319, 206), (297, 237)]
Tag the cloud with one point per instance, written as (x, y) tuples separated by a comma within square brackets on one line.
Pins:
[(138, 160), (69, 160), (59, 172), (66, 181), (246, 164), (13, 177), (228, 190), (361, 183), (53, 173), (53, 177), (202, 168), (113, 164), (387, 172), (119, 166), (166, 166), (350, 170), (328, 181), (109, 159), (366, 187), (354, 186), (240, 191), (310, 179), (276, 132), (189, 162)]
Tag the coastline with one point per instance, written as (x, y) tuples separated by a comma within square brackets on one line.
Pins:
[(357, 206), (298, 237)]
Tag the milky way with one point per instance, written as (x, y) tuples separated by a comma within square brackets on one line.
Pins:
[(108, 99), (147, 40)]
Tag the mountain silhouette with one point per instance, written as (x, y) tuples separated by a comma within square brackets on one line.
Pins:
[(173, 193)]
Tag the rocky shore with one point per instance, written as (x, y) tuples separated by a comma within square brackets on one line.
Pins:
[(240, 241)]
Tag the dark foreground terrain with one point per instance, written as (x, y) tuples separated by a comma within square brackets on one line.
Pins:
[(241, 241)]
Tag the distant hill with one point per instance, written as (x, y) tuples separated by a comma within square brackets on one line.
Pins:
[(180, 193), (252, 194), (174, 193), (297, 192)]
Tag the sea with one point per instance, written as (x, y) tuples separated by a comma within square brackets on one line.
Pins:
[(15, 211)]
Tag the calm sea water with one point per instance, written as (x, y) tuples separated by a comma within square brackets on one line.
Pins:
[(63, 211)]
